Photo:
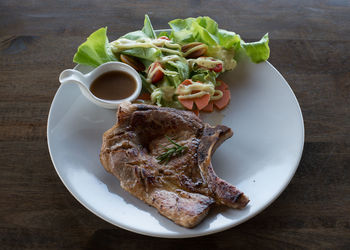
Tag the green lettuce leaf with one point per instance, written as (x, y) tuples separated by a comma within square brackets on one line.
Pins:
[(96, 50), (135, 35), (258, 51), (203, 35), (146, 32), (163, 33), (182, 69), (147, 55), (228, 39), (147, 86), (148, 29), (205, 76), (181, 30), (160, 97), (156, 96), (200, 29), (150, 54), (182, 36), (225, 45), (181, 24)]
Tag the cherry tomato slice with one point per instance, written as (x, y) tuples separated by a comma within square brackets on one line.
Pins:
[(164, 37), (158, 75), (217, 68), (133, 62), (187, 82)]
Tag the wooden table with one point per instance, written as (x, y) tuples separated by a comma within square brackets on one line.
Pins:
[(310, 46)]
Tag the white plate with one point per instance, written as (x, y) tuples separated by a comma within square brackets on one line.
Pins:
[(260, 159)]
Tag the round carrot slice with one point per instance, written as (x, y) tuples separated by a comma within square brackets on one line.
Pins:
[(223, 86), (202, 101), (187, 103), (224, 100), (209, 108)]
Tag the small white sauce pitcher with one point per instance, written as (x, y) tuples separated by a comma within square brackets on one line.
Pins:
[(84, 81)]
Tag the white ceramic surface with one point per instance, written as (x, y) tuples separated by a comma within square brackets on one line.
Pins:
[(84, 81), (260, 158)]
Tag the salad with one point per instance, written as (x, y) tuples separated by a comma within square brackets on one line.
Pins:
[(179, 68)]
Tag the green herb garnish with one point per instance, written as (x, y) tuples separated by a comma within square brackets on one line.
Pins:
[(171, 152)]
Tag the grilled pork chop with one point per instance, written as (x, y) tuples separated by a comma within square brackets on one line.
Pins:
[(182, 189)]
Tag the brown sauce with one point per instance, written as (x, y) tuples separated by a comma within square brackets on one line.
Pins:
[(113, 85)]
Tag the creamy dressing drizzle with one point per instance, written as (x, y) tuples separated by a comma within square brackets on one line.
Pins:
[(198, 47), (124, 44), (201, 89), (207, 62), (184, 91), (163, 60), (152, 72)]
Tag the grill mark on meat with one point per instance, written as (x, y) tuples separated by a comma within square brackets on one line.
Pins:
[(182, 190), (146, 179)]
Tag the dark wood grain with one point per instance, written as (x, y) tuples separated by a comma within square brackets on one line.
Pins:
[(310, 46)]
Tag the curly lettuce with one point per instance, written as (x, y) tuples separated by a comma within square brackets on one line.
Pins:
[(258, 51), (96, 50), (222, 44)]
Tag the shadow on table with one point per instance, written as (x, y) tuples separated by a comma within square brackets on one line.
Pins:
[(122, 239)]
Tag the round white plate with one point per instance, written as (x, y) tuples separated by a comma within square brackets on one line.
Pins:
[(260, 159)]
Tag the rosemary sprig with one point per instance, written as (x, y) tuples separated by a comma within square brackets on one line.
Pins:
[(171, 152)]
